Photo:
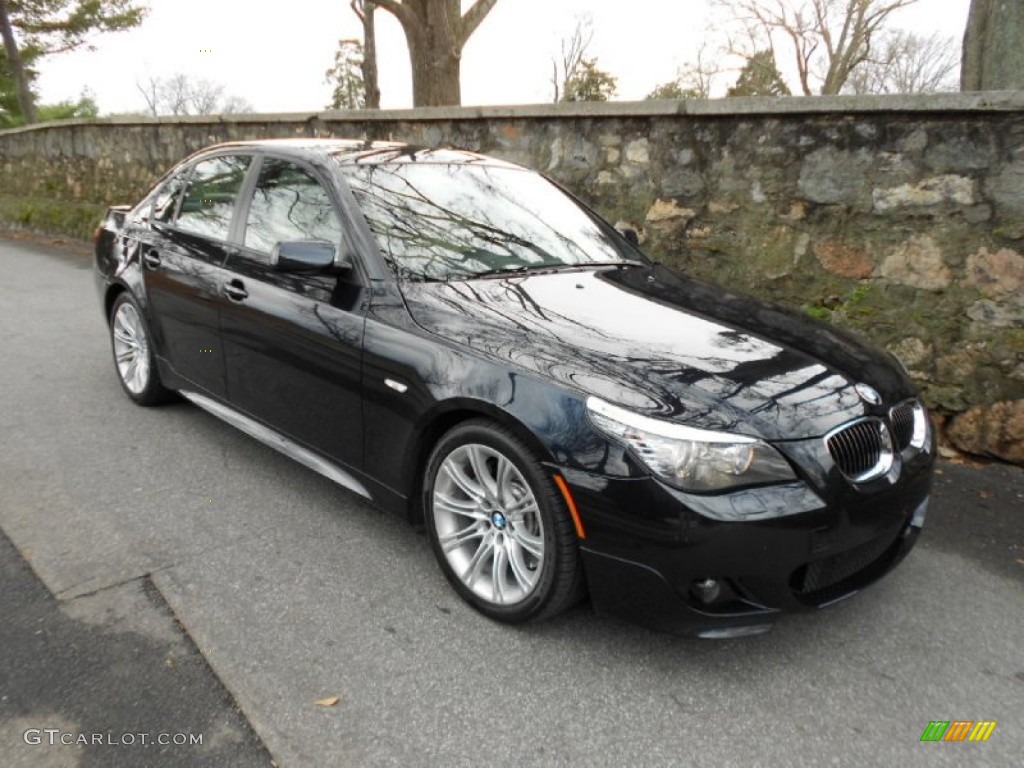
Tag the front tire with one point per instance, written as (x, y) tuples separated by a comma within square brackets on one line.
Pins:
[(498, 526), (134, 361)]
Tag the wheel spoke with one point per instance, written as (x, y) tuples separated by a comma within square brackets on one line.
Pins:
[(462, 480), (483, 476), (523, 507), (126, 356), (141, 373), (451, 501), (129, 372), (498, 564), (524, 576), (464, 507), (479, 558), (122, 336), (456, 539), (532, 544), (503, 488)]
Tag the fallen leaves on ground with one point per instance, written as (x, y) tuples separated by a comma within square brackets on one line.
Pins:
[(330, 701)]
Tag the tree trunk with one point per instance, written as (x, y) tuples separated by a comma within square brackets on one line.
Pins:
[(26, 102), (436, 31), (993, 58), (364, 10), (370, 59), (435, 71)]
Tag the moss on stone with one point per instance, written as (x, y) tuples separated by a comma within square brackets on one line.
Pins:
[(51, 216)]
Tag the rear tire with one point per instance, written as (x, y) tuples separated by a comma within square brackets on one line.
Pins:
[(134, 361), (498, 525)]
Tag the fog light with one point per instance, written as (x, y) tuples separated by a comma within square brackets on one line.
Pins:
[(726, 633), (706, 590)]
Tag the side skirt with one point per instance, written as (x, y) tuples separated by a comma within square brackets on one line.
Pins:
[(278, 442)]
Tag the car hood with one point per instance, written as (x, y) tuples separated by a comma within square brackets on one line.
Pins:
[(665, 345)]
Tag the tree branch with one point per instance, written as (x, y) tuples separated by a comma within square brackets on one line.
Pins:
[(471, 19), (405, 15)]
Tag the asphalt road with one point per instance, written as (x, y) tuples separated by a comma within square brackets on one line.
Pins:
[(294, 590), (115, 668)]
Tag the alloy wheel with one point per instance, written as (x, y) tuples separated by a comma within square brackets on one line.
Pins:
[(131, 348), (488, 524)]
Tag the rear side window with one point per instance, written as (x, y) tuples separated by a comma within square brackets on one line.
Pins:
[(210, 196), (289, 204)]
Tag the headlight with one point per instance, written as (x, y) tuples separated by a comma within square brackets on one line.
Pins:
[(691, 459)]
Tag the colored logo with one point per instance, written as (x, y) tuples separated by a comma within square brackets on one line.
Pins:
[(868, 394), (958, 730)]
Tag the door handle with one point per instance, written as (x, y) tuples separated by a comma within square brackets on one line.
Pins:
[(235, 290), (151, 259)]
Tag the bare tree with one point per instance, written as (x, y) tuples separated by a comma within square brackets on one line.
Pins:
[(576, 76), (573, 52), (828, 39), (371, 82), (150, 90), (181, 94), (436, 32), (908, 63), (699, 76), (693, 79)]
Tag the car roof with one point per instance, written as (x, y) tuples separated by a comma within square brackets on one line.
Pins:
[(359, 152)]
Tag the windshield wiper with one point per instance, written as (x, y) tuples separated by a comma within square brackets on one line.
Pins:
[(522, 269), (620, 264)]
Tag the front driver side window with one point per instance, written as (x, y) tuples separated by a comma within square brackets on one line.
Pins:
[(210, 197), (165, 202), (289, 204)]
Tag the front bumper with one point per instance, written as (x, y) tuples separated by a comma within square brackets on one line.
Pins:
[(649, 549)]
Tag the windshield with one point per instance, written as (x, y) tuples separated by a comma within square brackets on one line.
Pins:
[(445, 221)]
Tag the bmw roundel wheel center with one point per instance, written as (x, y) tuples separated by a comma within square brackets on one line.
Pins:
[(464, 343)]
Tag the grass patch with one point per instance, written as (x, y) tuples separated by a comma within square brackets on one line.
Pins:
[(51, 216)]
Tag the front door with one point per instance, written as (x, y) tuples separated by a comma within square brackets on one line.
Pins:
[(293, 342)]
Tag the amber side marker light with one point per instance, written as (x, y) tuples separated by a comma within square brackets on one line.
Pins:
[(573, 512)]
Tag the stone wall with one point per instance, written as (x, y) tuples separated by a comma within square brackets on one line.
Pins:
[(899, 217)]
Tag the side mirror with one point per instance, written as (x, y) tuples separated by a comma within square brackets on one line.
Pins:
[(305, 256), (631, 235)]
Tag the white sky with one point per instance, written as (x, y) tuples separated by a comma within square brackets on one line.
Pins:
[(275, 59)]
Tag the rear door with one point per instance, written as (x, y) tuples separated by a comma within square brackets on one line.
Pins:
[(292, 341), (183, 260)]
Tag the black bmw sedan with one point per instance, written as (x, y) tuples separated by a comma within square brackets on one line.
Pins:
[(463, 342)]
